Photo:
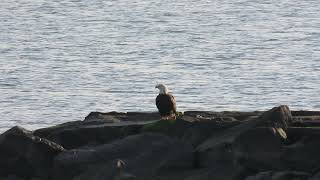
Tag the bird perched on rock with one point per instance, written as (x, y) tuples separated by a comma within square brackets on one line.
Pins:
[(166, 103)]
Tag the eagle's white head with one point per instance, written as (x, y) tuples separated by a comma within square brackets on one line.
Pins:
[(162, 88)]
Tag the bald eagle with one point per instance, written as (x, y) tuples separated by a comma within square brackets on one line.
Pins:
[(165, 102)]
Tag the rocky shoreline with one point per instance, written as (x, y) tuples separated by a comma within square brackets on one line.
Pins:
[(278, 144)]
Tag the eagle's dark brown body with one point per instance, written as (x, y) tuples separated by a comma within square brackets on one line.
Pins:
[(166, 104)]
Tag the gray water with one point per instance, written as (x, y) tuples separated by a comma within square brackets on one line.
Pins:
[(59, 60)]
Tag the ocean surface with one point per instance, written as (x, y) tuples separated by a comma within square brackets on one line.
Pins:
[(60, 60)]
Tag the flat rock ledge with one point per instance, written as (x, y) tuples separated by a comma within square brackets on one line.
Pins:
[(278, 144)]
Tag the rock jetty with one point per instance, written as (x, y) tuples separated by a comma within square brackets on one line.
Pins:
[(278, 144)]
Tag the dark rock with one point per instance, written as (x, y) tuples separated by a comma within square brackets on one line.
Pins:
[(121, 116), (305, 113), (220, 155), (266, 175), (77, 135), (316, 176), (225, 114), (309, 123), (302, 154), (189, 129), (145, 156), (174, 128), (216, 152), (289, 175), (99, 118), (306, 121), (281, 175), (97, 128), (199, 145), (277, 117), (199, 131), (111, 117), (195, 131), (142, 116), (228, 135), (259, 149), (278, 114), (200, 174), (13, 177), (26, 155), (218, 148)]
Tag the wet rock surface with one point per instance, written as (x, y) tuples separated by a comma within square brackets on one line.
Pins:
[(278, 144)]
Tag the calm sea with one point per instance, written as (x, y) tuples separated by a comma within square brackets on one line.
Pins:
[(59, 60)]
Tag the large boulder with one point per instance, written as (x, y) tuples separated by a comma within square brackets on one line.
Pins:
[(14, 177), (315, 176), (26, 155), (280, 175), (260, 149), (218, 148), (306, 118), (219, 173), (215, 153), (199, 131), (195, 130), (122, 116), (77, 134), (212, 115), (302, 154), (145, 155), (191, 129)]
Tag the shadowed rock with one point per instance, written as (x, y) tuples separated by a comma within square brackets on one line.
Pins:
[(121, 116), (259, 149), (97, 128), (70, 136), (224, 115), (316, 176), (276, 115), (100, 118), (282, 175), (13, 177), (190, 129), (227, 136), (302, 154), (198, 145), (145, 156), (218, 150), (26, 155), (305, 113)]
